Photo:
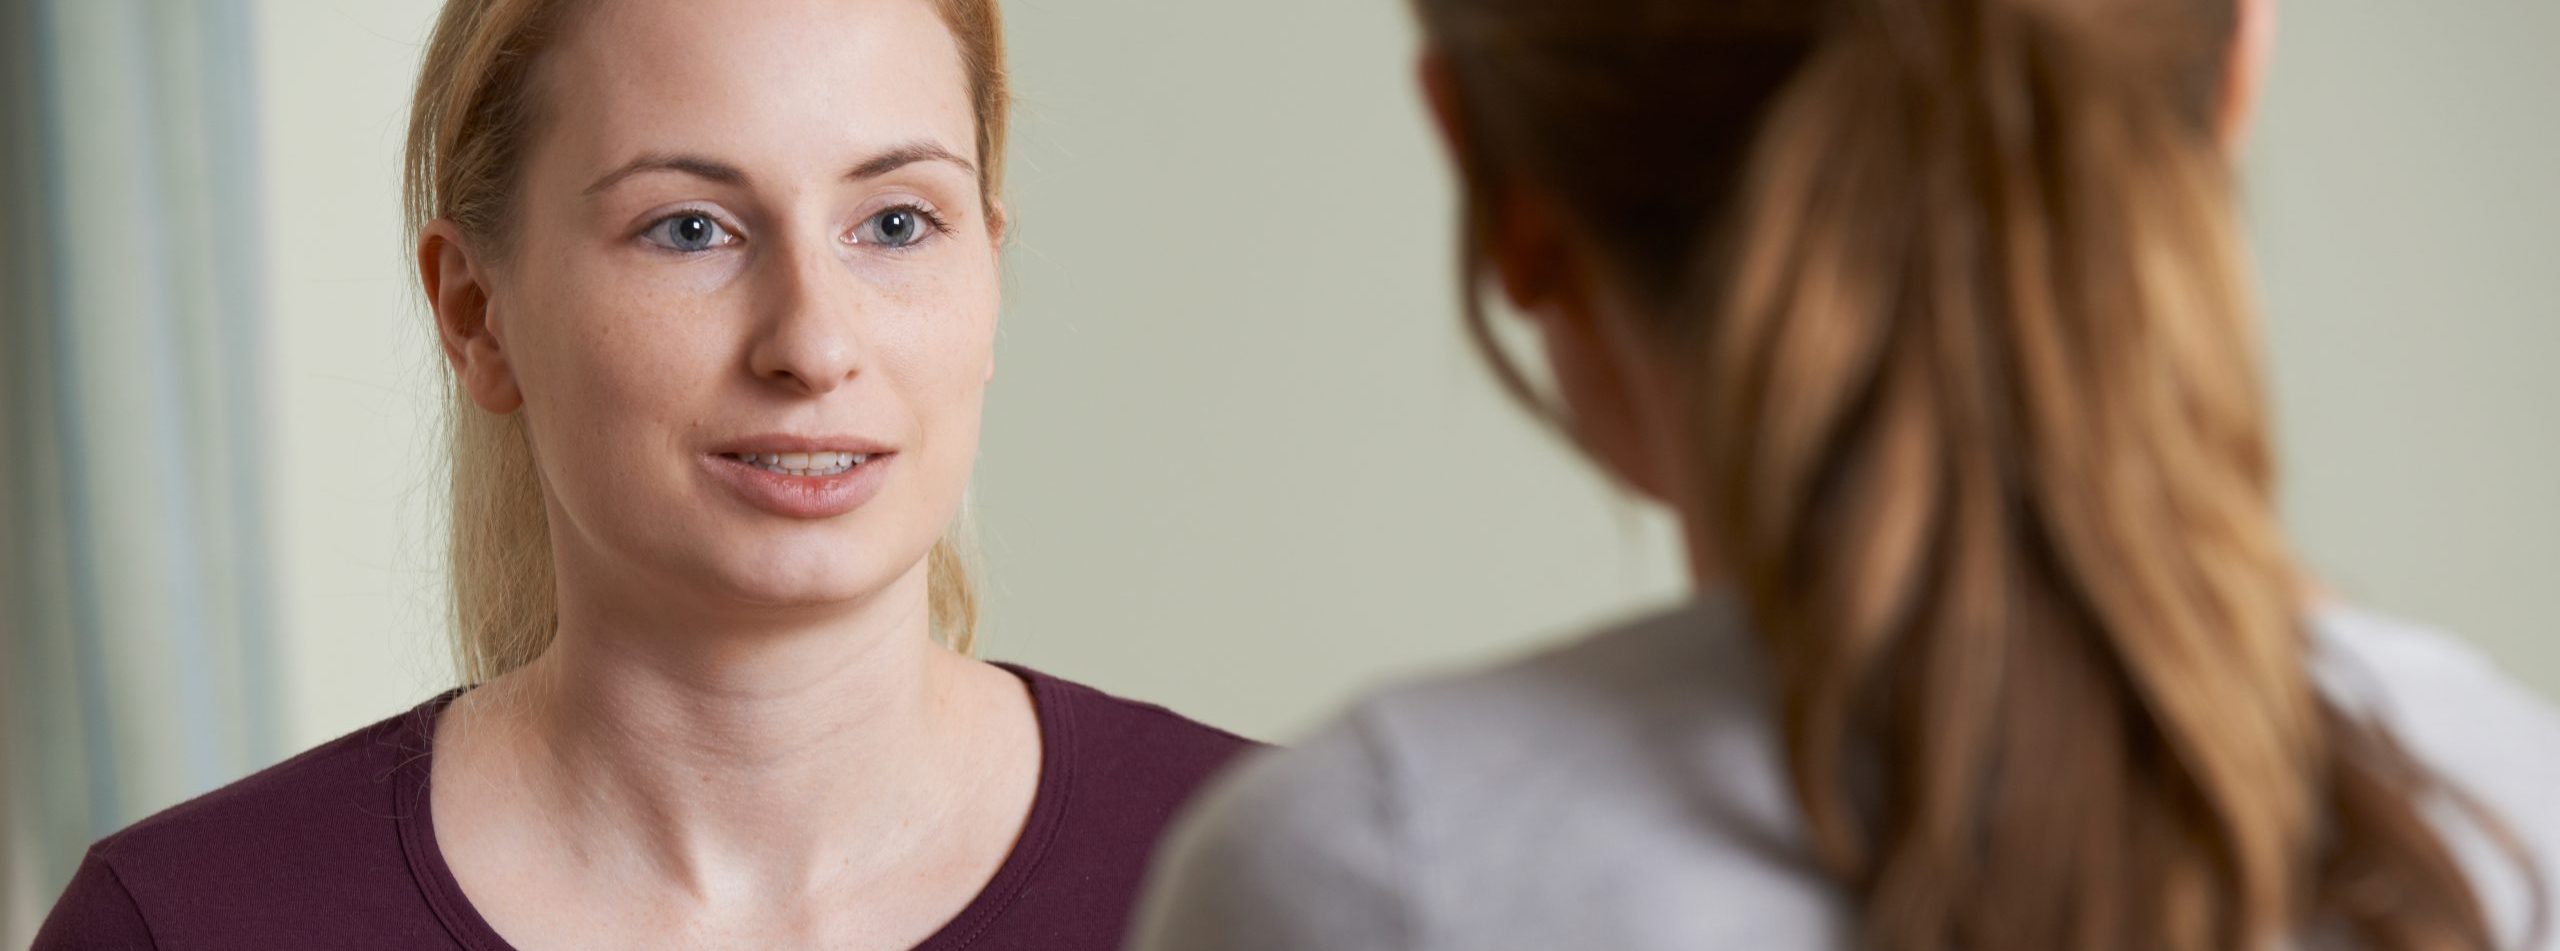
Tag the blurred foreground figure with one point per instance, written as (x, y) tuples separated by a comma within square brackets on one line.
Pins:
[(1930, 320)]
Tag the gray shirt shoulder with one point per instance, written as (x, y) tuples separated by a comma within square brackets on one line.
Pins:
[(2488, 739), (1626, 791)]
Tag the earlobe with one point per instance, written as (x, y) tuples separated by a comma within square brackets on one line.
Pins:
[(1529, 253), (488, 377), (465, 320)]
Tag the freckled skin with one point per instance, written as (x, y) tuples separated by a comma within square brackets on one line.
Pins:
[(632, 357)]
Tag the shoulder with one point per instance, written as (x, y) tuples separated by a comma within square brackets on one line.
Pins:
[(1543, 801), (281, 807), (1604, 725), (2490, 740), (2445, 698), (96, 911), (1142, 750), (245, 849), (1427, 754), (1588, 699), (1537, 728)]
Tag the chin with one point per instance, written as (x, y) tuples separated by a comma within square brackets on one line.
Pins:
[(807, 575)]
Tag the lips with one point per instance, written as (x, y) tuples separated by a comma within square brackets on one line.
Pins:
[(802, 477)]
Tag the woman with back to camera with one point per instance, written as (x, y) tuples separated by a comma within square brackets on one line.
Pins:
[(1931, 321), (718, 287)]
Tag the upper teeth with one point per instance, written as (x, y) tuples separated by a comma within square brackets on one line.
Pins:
[(803, 463)]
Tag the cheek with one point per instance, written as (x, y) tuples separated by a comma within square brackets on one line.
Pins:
[(936, 352), (612, 368), (940, 343)]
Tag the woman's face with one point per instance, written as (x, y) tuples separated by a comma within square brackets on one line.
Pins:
[(751, 295)]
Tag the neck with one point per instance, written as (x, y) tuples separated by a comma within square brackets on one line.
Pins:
[(771, 754)]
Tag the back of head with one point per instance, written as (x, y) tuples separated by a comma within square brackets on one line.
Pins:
[(1977, 430)]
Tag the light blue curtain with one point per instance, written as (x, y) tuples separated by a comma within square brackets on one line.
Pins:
[(134, 586)]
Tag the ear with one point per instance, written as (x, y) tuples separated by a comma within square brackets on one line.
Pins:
[(458, 292), (2253, 42), (1531, 246), (1523, 236)]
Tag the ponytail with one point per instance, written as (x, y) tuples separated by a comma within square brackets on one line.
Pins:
[(1986, 446), (1982, 440)]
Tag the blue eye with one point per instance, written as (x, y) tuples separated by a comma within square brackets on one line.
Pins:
[(897, 227), (688, 231)]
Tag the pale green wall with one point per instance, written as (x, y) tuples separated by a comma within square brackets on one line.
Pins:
[(2405, 198), (1237, 457)]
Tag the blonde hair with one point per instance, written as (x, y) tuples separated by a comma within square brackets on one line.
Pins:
[(469, 127), (1981, 438)]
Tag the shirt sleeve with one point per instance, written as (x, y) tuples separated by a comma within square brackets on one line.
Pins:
[(1293, 851), (96, 913)]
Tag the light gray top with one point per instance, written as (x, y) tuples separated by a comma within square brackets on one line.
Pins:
[(1625, 792)]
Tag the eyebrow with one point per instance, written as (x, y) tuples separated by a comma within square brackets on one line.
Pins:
[(905, 155), (714, 170), (697, 166)]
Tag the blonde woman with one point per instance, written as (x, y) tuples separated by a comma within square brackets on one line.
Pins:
[(718, 287), (1930, 320)]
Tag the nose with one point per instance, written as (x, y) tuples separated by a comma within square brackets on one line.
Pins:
[(809, 336)]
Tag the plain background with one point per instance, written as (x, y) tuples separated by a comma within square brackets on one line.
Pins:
[(1238, 459)]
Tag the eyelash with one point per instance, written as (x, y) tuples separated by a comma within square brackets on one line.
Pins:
[(932, 218), (734, 233)]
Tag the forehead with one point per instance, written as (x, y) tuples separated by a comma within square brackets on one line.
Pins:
[(767, 83)]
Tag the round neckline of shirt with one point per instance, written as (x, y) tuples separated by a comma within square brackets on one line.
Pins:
[(444, 895)]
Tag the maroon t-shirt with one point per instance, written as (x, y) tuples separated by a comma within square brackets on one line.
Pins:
[(335, 848)]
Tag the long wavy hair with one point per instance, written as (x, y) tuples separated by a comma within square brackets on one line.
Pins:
[(470, 126), (1981, 438)]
